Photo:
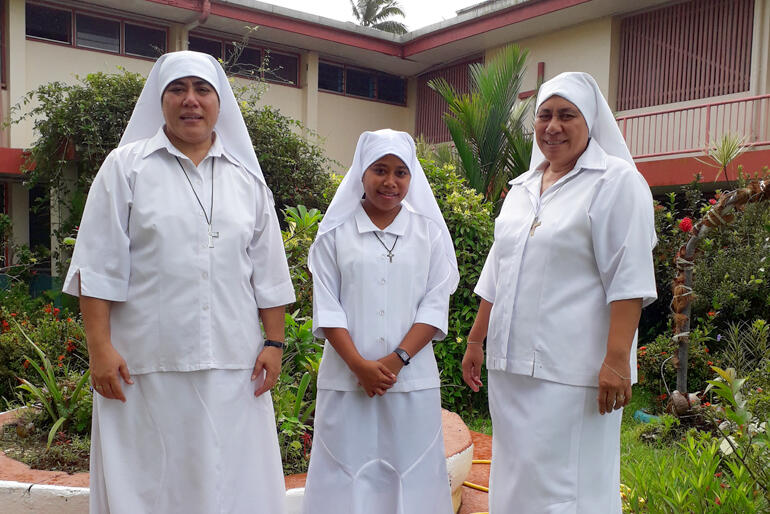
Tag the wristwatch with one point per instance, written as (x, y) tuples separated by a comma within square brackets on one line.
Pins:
[(405, 358), (275, 344)]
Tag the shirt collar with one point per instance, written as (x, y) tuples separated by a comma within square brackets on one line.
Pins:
[(397, 227), (593, 158), (161, 141)]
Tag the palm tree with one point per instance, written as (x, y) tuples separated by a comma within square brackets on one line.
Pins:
[(374, 13), (487, 125)]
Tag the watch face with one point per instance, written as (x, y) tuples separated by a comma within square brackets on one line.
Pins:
[(403, 356)]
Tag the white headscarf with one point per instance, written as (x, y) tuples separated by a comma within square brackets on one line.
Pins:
[(581, 89), (147, 117), (419, 199)]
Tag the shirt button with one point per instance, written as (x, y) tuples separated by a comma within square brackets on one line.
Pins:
[(382, 281), (381, 313), (205, 274), (205, 307), (380, 339)]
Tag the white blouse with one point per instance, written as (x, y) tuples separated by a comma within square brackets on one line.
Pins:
[(143, 243), (356, 287), (551, 285)]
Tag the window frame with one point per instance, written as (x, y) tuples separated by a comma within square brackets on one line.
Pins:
[(375, 73), (122, 20), (224, 42)]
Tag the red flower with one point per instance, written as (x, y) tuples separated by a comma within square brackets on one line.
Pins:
[(48, 308), (663, 353), (61, 358), (25, 363), (710, 363), (686, 224), (711, 314), (642, 347), (662, 397), (759, 389), (56, 311), (717, 501), (719, 474), (706, 349), (708, 404), (69, 320), (70, 346), (713, 201), (13, 314)]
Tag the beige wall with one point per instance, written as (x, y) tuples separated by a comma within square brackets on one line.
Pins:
[(341, 119)]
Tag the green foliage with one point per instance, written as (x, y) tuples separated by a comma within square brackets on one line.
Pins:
[(302, 225), (656, 367), (297, 171), (470, 221), (24, 441), (694, 480), (64, 399), (487, 125), (747, 347), (375, 14)]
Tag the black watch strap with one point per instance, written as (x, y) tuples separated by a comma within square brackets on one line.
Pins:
[(275, 344), (403, 355)]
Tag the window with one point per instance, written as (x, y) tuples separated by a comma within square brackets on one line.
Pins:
[(207, 46), (686, 51), (97, 33), (48, 23), (144, 41), (94, 32), (246, 63), (331, 77), (282, 68), (361, 83)]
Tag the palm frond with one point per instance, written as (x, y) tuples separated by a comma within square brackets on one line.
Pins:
[(394, 27)]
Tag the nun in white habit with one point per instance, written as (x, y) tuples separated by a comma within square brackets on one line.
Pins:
[(383, 270), (561, 294), (178, 258)]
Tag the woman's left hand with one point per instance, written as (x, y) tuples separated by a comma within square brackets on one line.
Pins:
[(269, 361), (614, 385)]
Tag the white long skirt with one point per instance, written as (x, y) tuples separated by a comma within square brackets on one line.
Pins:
[(552, 452), (381, 455), (195, 442)]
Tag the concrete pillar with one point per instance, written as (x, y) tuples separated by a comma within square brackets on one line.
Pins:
[(760, 49), (17, 64), (19, 211), (309, 84)]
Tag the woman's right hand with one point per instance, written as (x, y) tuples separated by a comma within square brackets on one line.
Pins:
[(374, 377), (472, 361), (107, 368)]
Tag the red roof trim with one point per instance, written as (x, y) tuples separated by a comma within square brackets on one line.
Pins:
[(11, 160), (294, 25), (495, 20), (456, 32)]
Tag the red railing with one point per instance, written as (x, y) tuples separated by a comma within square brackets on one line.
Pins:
[(692, 129)]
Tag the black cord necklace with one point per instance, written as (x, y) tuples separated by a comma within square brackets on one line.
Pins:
[(390, 250), (209, 220)]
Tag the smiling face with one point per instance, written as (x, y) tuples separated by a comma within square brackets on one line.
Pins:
[(386, 183), (561, 133), (190, 108)]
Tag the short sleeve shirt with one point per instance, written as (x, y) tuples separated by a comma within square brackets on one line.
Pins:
[(557, 262), (143, 243)]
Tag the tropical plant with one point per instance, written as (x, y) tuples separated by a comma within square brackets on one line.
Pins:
[(487, 125), (300, 219), (375, 14), (723, 151), (293, 419), (60, 399)]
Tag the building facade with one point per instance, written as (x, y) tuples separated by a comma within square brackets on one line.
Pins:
[(679, 74)]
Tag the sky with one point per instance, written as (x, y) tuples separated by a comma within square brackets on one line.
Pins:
[(419, 13)]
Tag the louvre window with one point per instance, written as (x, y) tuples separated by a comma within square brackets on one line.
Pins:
[(97, 33), (144, 41), (331, 77), (47, 23), (282, 68), (338, 78), (246, 61), (207, 46)]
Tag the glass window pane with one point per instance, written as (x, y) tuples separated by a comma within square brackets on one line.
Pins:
[(282, 68), (247, 63), (97, 33), (330, 77), (47, 23), (144, 41), (391, 89), (207, 46), (360, 83)]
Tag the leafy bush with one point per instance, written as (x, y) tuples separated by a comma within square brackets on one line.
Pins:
[(471, 223)]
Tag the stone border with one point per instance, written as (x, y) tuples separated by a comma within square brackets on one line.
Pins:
[(24, 498)]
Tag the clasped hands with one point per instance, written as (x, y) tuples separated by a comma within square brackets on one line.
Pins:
[(376, 377)]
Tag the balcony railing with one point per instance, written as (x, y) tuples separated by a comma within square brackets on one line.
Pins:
[(692, 129)]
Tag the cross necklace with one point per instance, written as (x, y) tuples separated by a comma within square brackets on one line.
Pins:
[(536, 222), (209, 220), (390, 253)]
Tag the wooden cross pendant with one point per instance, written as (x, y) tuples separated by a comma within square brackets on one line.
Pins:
[(535, 223), (390, 256), (212, 235)]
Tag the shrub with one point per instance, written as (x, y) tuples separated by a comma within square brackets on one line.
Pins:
[(471, 223)]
